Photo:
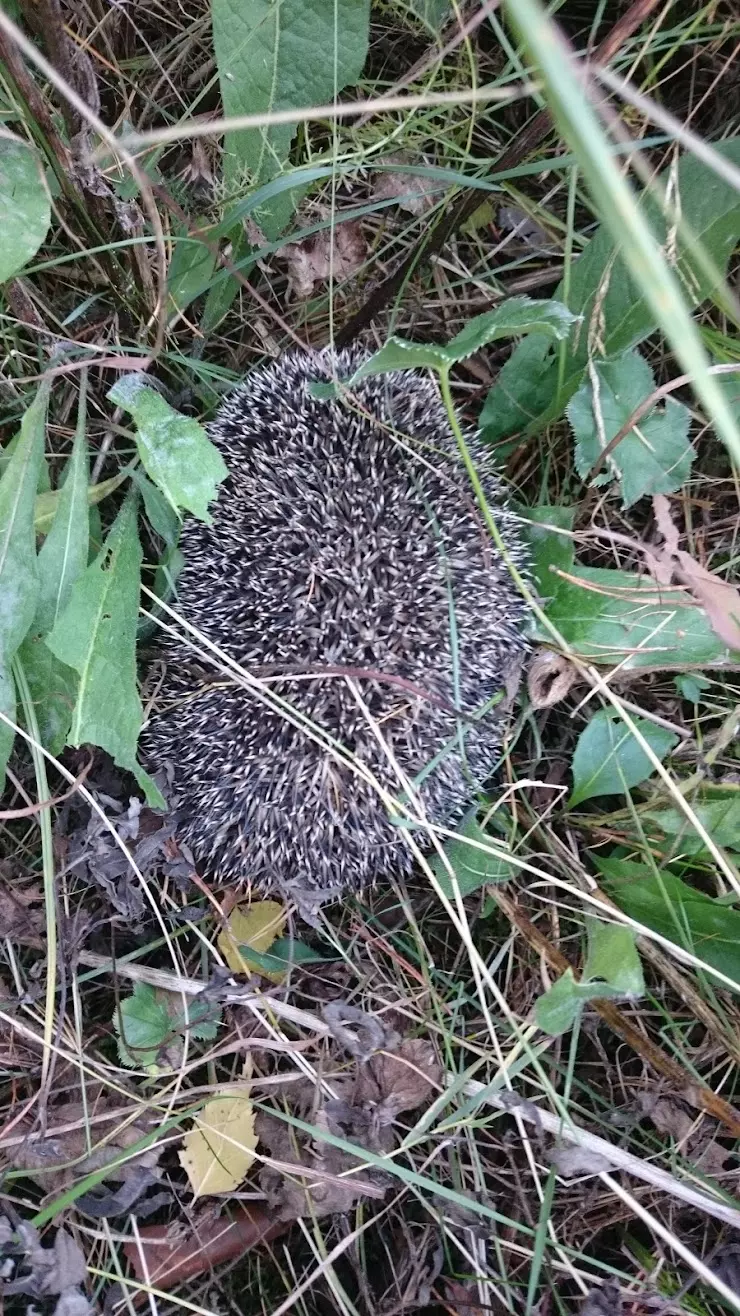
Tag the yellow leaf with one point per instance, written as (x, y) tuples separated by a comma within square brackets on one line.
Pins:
[(257, 926), (219, 1149)]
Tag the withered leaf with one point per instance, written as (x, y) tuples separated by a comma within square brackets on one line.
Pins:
[(401, 1080), (335, 253)]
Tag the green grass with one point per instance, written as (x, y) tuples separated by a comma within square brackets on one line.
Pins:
[(469, 1213)]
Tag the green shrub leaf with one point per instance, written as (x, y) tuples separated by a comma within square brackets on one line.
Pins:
[(527, 394), (143, 1024), (612, 971), (517, 315), (61, 561), (19, 578), (678, 912), (472, 866), (609, 759), (619, 617), (175, 450), (96, 635), (654, 457), (190, 271), (278, 57), (24, 206)]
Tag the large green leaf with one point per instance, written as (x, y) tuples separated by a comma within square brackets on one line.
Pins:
[(175, 450), (619, 617), (548, 550), (677, 911), (608, 758), (190, 271), (19, 580), (96, 635), (24, 206), (280, 56), (654, 457), (526, 394), (61, 561), (612, 970)]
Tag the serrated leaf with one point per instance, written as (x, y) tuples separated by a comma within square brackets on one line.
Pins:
[(618, 617), (24, 206), (190, 270), (277, 57), (219, 1149), (175, 450), (612, 956), (143, 1025), (472, 867), (526, 394), (96, 635), (517, 315), (398, 354), (654, 457), (609, 760), (679, 912), (61, 561), (255, 927), (19, 581)]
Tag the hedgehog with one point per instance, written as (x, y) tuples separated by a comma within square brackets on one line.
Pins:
[(348, 569)]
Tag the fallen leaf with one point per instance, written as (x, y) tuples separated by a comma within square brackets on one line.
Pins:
[(336, 253), (300, 1180), (719, 599), (606, 1301), (549, 678), (219, 1149), (413, 192), (47, 1271), (573, 1162), (163, 1257), (258, 926), (464, 1299), (401, 1080), (19, 921), (518, 224), (62, 1155)]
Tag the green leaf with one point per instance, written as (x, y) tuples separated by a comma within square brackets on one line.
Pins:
[(284, 954), (143, 1025), (47, 503), (691, 687), (618, 617), (653, 458), (190, 271), (276, 57), (517, 315), (397, 354), (472, 867), (526, 394), (677, 911), (175, 450), (612, 971), (720, 817), (61, 562), (24, 206), (608, 759), (612, 957), (547, 548), (19, 580), (96, 635)]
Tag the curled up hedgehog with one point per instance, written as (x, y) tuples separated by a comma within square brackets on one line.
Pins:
[(348, 571)]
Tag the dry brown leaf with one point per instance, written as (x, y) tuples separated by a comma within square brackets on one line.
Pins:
[(720, 600), (61, 1156), (549, 678), (335, 253), (412, 192), (19, 920), (299, 1180), (400, 1080)]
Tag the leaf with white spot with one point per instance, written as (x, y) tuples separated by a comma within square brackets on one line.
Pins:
[(175, 450)]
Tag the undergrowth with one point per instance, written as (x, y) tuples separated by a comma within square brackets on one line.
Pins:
[(508, 1084)]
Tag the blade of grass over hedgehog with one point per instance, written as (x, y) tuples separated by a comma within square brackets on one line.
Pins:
[(19, 579)]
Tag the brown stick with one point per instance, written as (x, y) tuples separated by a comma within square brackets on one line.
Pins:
[(523, 144)]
